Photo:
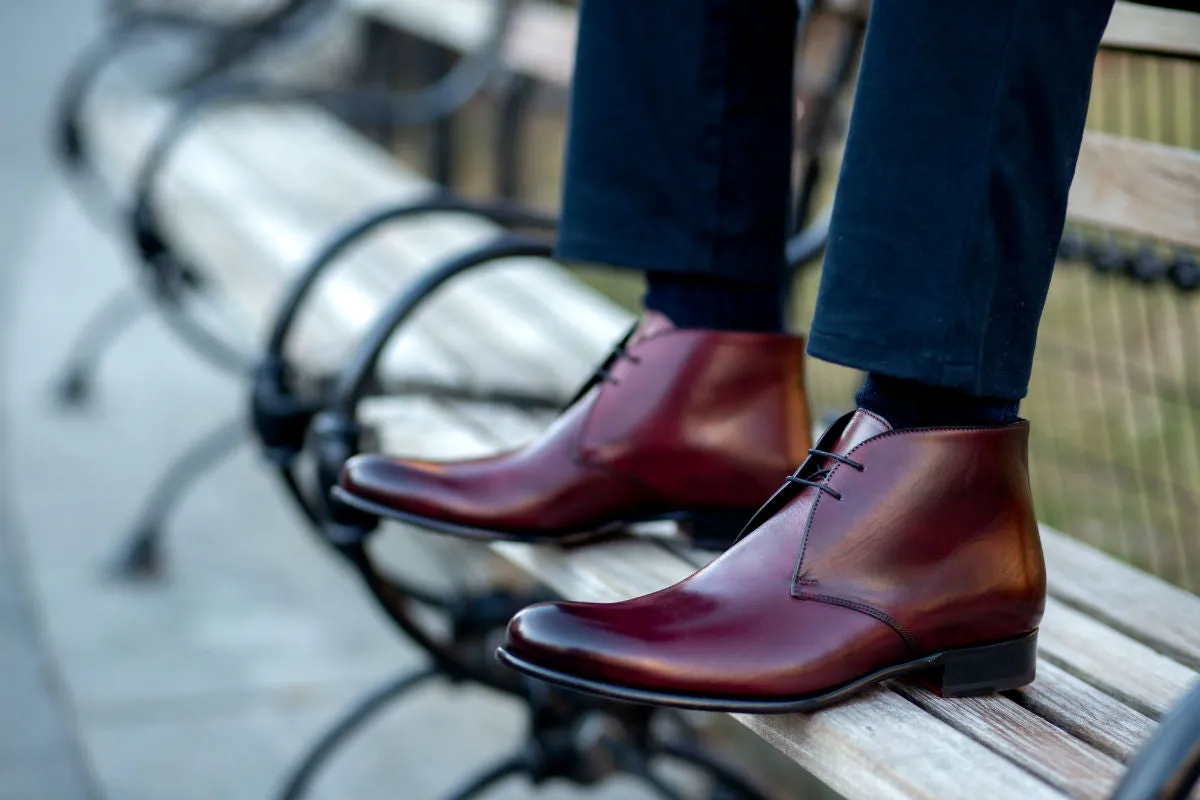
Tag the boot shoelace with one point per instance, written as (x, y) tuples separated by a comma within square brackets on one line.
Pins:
[(602, 373), (818, 478)]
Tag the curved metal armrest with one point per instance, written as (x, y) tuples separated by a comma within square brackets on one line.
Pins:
[(1168, 765), (281, 418), (336, 439), (444, 97), (233, 43), (336, 433), (805, 245), (362, 363)]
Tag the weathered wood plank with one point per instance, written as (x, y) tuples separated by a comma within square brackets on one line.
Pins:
[(293, 159), (1141, 27), (529, 298), (1149, 610), (879, 745), (1020, 735), (1140, 187), (245, 240), (1085, 712), (541, 41), (1111, 661)]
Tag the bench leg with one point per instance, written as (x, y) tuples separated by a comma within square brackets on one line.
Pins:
[(73, 386), (362, 712), (140, 557)]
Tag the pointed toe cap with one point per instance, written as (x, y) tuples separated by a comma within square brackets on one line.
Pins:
[(387, 481), (579, 639), (545, 634)]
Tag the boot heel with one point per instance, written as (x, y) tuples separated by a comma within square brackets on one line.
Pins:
[(717, 529), (985, 670)]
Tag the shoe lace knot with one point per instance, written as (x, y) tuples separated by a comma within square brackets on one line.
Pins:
[(818, 479)]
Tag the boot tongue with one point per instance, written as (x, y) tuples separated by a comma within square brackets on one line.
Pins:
[(652, 324), (863, 425)]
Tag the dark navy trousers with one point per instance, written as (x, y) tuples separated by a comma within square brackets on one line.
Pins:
[(966, 126)]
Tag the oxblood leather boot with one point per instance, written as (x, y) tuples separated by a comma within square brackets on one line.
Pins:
[(888, 553), (691, 425)]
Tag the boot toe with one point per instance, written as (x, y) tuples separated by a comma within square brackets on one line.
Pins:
[(377, 478), (549, 635), (575, 639)]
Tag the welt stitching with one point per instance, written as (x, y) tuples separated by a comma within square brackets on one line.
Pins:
[(909, 640), (804, 541)]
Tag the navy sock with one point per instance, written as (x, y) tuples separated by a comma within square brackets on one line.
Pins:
[(702, 301), (908, 404)]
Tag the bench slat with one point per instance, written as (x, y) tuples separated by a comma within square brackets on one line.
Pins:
[(1162, 30), (541, 40), (583, 322), (519, 359), (1141, 187), (1020, 735), (1085, 712), (1111, 661), (1143, 607)]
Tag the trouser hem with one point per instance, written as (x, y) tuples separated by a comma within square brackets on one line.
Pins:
[(898, 361)]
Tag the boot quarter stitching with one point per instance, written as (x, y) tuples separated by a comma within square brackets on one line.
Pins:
[(910, 641)]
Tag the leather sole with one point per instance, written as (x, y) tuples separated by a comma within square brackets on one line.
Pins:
[(709, 529), (963, 672)]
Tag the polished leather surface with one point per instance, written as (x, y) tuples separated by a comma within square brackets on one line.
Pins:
[(933, 546), (693, 420)]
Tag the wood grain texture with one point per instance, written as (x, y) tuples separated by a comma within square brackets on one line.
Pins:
[(1112, 662), (1085, 712), (1143, 607), (1140, 187), (249, 162), (1020, 735)]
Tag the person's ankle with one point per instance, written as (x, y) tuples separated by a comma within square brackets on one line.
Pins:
[(910, 404), (694, 301)]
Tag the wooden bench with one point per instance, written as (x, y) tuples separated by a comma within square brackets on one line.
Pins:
[(253, 191)]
